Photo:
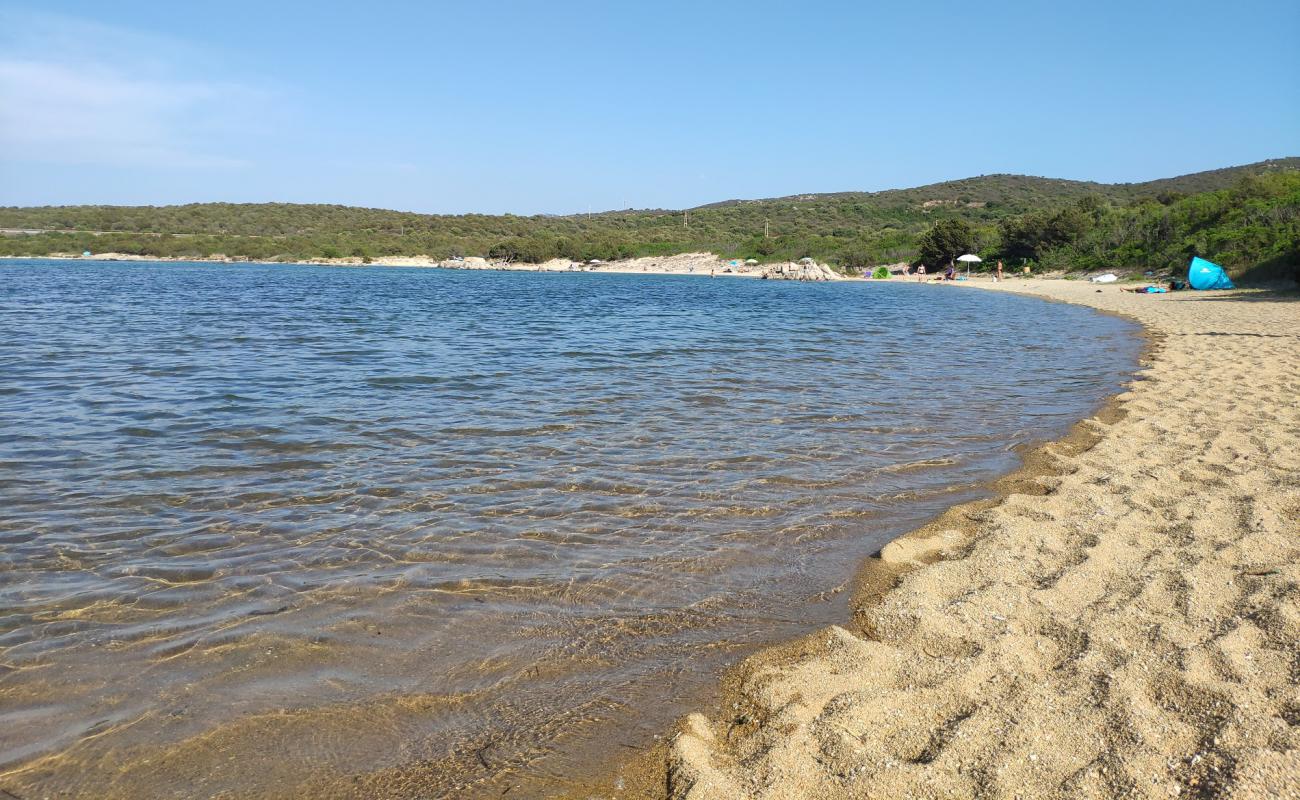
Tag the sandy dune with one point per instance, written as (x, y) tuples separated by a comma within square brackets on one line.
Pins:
[(1124, 622)]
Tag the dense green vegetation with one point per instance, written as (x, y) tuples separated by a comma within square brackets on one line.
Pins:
[(1242, 217), (946, 240), (1252, 229)]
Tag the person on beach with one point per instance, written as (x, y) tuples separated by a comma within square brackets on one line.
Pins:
[(998, 277), (950, 274), (920, 274)]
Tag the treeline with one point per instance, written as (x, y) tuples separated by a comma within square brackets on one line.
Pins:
[(850, 228), (1056, 223), (1252, 229)]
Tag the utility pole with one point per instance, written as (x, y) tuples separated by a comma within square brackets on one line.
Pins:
[(766, 232), (686, 219)]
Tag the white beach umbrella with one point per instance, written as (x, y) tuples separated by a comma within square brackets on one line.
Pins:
[(969, 259)]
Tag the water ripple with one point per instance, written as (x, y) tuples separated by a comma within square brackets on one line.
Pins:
[(278, 509)]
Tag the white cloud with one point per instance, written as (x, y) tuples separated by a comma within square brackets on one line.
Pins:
[(73, 92)]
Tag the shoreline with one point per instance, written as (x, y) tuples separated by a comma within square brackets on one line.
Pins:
[(801, 724), (781, 708), (647, 774), (694, 264)]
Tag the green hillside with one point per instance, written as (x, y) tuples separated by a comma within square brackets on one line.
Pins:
[(852, 229), (1252, 229)]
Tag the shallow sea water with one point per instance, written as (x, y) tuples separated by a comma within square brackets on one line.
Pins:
[(294, 531)]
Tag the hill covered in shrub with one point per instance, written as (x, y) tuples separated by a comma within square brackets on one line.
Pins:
[(1043, 220)]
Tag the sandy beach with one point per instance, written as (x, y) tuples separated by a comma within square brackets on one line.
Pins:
[(1122, 621)]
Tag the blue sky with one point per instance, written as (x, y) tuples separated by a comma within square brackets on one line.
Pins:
[(553, 107)]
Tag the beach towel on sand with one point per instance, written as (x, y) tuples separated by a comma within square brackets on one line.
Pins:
[(1204, 274)]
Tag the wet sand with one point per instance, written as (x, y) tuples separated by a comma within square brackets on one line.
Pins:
[(1123, 622)]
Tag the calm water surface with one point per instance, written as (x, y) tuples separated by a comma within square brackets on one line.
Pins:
[(294, 531)]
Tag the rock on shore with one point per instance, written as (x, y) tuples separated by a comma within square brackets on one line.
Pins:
[(804, 270)]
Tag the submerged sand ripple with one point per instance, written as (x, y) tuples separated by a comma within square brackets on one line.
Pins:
[(294, 532), (1127, 627)]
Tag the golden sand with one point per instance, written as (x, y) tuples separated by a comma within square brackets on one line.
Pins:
[(1123, 622)]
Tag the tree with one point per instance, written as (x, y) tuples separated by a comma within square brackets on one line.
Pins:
[(1022, 236), (504, 251), (1030, 235), (855, 257), (1067, 225), (945, 241)]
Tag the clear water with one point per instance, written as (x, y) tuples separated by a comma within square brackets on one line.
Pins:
[(300, 531)]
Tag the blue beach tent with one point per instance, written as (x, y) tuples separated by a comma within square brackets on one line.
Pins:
[(1204, 274)]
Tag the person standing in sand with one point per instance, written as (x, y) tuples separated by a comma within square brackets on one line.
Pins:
[(998, 277), (920, 274)]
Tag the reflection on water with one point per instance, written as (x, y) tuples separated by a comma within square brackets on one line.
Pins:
[(325, 532)]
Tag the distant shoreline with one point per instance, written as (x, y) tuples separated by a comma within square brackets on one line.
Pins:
[(692, 264), (698, 264)]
